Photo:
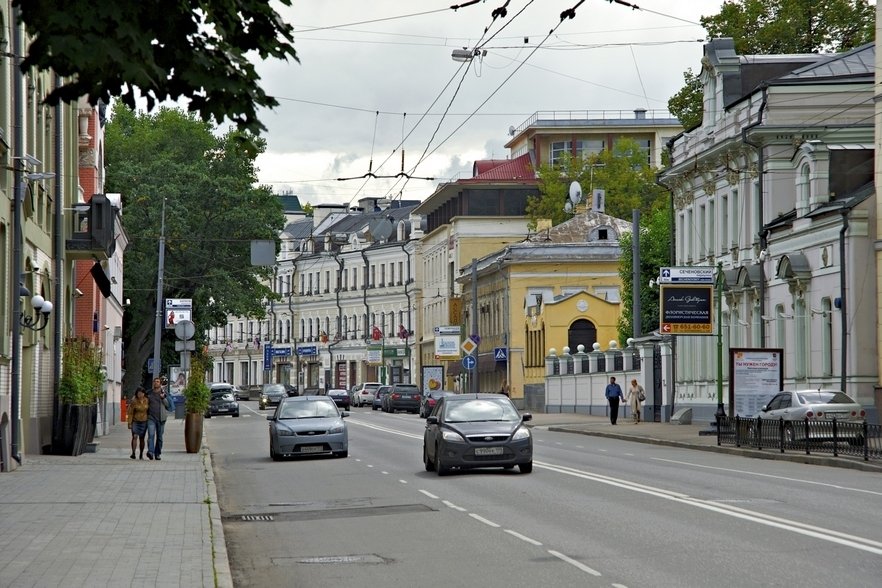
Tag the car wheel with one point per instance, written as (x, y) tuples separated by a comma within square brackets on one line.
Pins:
[(430, 465), (207, 415), (373, 407), (236, 414), (275, 456), (440, 468), (526, 468)]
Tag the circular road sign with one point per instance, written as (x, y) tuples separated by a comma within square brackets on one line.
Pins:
[(469, 362), (185, 330)]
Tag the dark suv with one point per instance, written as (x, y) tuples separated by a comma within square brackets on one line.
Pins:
[(403, 397)]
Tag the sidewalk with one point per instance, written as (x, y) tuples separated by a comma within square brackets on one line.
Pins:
[(102, 519), (686, 436)]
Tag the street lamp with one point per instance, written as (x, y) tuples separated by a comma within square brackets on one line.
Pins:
[(721, 411), (42, 307)]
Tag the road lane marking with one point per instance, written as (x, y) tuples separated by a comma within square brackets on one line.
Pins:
[(573, 562), (483, 520), (523, 537), (403, 481), (429, 494), (385, 473), (785, 478), (829, 535), (453, 506)]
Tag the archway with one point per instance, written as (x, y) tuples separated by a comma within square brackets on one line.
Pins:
[(581, 332)]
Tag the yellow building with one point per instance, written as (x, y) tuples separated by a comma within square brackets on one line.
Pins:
[(559, 288)]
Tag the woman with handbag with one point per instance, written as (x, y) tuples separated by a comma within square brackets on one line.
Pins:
[(636, 396), (137, 419)]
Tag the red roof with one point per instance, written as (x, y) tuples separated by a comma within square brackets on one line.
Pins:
[(517, 169)]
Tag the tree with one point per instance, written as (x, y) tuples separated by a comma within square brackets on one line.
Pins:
[(772, 27), (623, 172), (201, 51), (212, 214), (655, 243)]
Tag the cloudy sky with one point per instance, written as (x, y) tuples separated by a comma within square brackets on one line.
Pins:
[(377, 78)]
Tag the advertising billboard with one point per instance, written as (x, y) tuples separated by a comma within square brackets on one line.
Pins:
[(687, 310)]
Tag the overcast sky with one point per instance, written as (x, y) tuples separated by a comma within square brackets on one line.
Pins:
[(361, 57)]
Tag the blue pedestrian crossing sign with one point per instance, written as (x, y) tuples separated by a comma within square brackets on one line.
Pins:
[(500, 354), (469, 362)]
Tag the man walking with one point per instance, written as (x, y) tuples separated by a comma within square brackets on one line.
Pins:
[(613, 395), (160, 404)]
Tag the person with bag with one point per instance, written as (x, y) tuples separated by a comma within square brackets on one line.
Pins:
[(160, 405), (636, 395), (613, 394), (136, 417)]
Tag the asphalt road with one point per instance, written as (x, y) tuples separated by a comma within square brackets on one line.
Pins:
[(594, 512)]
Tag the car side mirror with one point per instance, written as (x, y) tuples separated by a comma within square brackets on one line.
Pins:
[(271, 417), (765, 408), (526, 417), (432, 420)]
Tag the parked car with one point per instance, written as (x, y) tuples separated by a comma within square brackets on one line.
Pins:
[(377, 402), (339, 396), (429, 399), (365, 393), (223, 401), (271, 395), (794, 406), (477, 431), (291, 390), (403, 397), (307, 425)]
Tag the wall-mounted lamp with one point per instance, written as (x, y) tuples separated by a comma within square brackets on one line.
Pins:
[(42, 307)]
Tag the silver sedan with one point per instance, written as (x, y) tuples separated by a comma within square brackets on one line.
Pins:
[(308, 425), (820, 407)]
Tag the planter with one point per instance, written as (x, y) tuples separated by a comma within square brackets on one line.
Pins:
[(77, 428), (193, 432)]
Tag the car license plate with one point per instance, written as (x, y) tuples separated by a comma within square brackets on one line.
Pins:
[(311, 449), (223, 409), (488, 450)]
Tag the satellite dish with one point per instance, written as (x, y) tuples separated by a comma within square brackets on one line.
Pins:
[(511, 131), (575, 193)]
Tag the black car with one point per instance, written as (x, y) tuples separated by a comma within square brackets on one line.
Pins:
[(272, 394), (340, 397), (403, 397), (477, 431), (223, 401), (429, 399)]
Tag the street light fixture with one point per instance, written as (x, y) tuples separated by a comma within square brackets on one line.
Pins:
[(42, 307)]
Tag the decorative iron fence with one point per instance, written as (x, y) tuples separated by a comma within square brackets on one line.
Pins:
[(853, 438)]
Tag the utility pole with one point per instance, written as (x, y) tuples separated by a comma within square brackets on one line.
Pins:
[(160, 308), (636, 311), (473, 377)]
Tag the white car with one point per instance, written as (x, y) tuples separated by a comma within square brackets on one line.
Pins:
[(364, 393), (814, 410)]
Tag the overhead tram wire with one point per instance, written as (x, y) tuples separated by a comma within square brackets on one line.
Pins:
[(570, 13), (384, 19)]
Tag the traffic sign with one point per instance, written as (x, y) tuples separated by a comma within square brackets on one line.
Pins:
[(469, 346), (686, 275), (500, 353), (469, 362)]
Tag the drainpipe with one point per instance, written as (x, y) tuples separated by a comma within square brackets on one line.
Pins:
[(17, 236), (59, 265), (763, 243), (842, 302), (409, 327)]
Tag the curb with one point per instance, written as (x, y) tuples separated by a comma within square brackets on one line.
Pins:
[(223, 578), (837, 462)]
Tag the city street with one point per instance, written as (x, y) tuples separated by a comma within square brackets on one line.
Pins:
[(594, 512)]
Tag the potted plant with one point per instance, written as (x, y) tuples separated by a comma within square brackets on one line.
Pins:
[(196, 399), (81, 384)]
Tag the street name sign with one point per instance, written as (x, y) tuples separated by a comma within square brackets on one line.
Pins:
[(686, 275)]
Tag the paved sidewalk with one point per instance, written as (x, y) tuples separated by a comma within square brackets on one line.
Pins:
[(102, 519), (686, 436)]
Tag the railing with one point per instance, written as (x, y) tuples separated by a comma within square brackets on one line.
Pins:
[(573, 116), (854, 438)]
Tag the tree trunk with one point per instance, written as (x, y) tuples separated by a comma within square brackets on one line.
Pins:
[(140, 348)]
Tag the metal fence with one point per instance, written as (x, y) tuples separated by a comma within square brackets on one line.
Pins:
[(853, 438)]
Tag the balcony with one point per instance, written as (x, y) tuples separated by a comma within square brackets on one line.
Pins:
[(94, 233)]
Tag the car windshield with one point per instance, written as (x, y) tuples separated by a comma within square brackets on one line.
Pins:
[(371, 387), (824, 397), (308, 409), (220, 394), (273, 389), (480, 409), (338, 393), (408, 390)]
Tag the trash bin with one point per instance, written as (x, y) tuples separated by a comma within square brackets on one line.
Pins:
[(180, 409)]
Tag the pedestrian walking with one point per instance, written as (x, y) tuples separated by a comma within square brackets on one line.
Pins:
[(160, 404), (136, 417), (636, 396), (613, 395)]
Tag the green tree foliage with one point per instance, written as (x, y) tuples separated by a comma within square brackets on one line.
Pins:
[(202, 51), (655, 249), (761, 27), (213, 212), (197, 396), (82, 378), (623, 172)]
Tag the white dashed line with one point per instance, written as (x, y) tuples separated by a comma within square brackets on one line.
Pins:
[(385, 473), (573, 562), (522, 537), (370, 466), (429, 494), (453, 506), (403, 481), (483, 520)]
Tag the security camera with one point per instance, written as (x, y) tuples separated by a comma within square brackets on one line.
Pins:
[(78, 292), (763, 254)]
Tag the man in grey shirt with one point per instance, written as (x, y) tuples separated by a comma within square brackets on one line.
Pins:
[(157, 413)]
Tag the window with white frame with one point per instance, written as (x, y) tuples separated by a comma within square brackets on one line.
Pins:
[(804, 186), (780, 327), (827, 337), (735, 230), (711, 226), (724, 223), (587, 147), (558, 149), (800, 335)]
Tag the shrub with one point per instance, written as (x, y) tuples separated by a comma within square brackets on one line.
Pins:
[(82, 376)]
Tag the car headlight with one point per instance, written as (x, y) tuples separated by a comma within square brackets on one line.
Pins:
[(521, 433), (452, 436), (285, 432), (336, 428)]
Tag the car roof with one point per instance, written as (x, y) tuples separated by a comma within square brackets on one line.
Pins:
[(302, 398), (338, 390), (466, 396), (220, 385)]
